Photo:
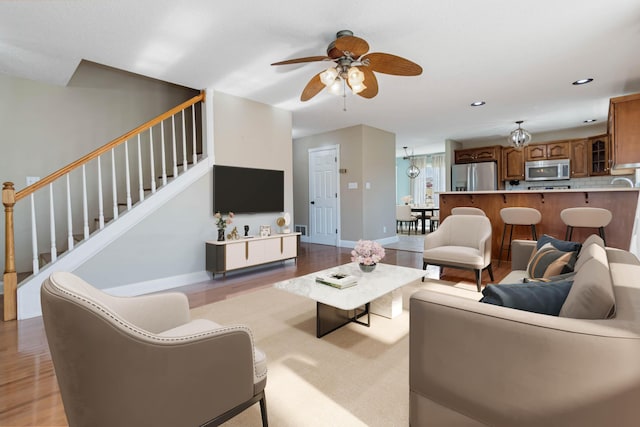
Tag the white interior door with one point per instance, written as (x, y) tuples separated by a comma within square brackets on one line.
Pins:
[(323, 195)]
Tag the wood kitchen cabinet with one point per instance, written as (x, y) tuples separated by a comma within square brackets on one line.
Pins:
[(598, 149), (550, 150), (512, 164), (579, 156), (481, 154), (624, 130)]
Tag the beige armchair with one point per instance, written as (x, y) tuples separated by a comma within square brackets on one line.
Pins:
[(461, 241), (125, 361)]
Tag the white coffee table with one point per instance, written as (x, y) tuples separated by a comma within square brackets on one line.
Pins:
[(377, 292)]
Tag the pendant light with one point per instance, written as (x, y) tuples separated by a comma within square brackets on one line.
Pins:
[(412, 171), (519, 137)]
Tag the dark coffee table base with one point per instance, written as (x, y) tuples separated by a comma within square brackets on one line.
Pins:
[(329, 318)]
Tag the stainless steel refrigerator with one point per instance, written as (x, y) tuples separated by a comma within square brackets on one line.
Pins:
[(474, 177)]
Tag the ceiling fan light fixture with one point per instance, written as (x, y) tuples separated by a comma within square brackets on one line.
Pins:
[(354, 75), (336, 87), (328, 76), (357, 88), (519, 137)]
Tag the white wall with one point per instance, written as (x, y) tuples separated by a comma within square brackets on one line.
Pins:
[(368, 155)]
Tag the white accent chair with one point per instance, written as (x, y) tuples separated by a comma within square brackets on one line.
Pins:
[(467, 210), (124, 361), (461, 241), (518, 216), (404, 216), (586, 217)]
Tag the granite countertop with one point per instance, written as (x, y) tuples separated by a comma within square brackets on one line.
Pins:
[(542, 190)]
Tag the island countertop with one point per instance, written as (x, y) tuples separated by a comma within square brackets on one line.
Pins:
[(621, 201), (548, 190)]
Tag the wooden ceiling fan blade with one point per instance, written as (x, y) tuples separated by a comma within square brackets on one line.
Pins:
[(355, 45), (391, 64), (312, 88), (371, 82), (300, 60)]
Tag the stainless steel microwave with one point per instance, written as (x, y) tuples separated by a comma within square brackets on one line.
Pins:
[(547, 170)]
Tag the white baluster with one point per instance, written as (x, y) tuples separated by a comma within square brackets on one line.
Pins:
[(52, 221), (141, 184), (184, 144), (127, 174), (175, 155), (69, 216), (34, 236), (193, 136), (85, 210), (114, 184), (164, 158), (100, 202), (152, 160)]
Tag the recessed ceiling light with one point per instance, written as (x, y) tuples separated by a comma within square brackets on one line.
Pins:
[(582, 81), (477, 103), (590, 120)]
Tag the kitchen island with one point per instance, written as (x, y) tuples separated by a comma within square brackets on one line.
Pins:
[(622, 202)]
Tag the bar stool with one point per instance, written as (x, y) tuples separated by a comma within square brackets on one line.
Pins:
[(467, 210), (518, 216), (585, 217)]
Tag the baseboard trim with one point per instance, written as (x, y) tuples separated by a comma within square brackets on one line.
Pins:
[(158, 285)]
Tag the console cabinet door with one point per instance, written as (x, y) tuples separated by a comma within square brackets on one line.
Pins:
[(237, 255), (289, 247)]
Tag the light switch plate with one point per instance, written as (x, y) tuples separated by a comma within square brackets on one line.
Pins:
[(32, 180)]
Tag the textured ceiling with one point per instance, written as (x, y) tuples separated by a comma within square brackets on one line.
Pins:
[(520, 57)]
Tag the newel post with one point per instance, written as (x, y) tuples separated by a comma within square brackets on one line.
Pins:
[(10, 275)]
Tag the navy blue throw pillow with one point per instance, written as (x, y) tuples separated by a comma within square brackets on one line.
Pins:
[(540, 297), (561, 245)]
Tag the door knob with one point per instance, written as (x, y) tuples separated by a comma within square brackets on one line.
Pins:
[(313, 203)]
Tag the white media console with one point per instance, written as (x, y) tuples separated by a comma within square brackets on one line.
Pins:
[(246, 252)]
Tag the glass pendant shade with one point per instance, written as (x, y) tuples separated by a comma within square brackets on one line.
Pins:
[(413, 171), (519, 137)]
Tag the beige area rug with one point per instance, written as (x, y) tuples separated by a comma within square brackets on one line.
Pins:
[(355, 376), (412, 243)]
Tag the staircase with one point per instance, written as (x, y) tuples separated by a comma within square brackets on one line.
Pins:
[(69, 215)]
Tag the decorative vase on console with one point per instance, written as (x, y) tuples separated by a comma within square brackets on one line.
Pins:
[(221, 223), (367, 254)]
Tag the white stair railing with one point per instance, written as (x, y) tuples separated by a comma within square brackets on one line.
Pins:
[(90, 165)]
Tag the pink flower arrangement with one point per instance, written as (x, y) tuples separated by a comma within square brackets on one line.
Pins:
[(221, 221), (367, 252)]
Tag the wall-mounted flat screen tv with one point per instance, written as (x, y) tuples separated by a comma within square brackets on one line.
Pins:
[(247, 190)]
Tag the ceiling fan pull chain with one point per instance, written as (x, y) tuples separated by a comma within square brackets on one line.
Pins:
[(344, 95)]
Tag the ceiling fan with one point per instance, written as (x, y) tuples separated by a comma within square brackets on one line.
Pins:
[(353, 67)]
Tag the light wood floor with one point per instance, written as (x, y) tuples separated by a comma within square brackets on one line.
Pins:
[(29, 394)]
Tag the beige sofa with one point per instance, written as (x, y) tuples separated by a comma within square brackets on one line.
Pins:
[(474, 364)]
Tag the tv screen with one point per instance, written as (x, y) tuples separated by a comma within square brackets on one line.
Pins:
[(247, 190)]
